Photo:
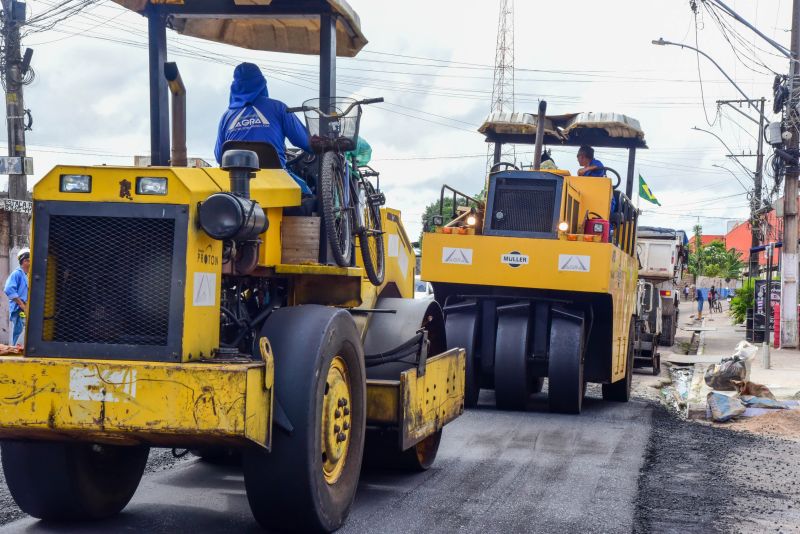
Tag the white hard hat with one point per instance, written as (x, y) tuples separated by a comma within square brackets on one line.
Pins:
[(24, 253)]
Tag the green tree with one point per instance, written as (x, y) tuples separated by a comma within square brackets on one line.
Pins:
[(716, 261), (447, 212), (744, 299)]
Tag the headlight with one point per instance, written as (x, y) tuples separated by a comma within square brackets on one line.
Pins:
[(471, 220), (563, 226), (151, 186), (76, 183)]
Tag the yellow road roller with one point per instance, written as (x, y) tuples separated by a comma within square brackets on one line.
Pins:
[(197, 308), (538, 280)]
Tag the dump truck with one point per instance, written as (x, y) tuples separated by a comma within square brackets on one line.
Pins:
[(165, 311), (538, 280), (662, 254), (647, 328)]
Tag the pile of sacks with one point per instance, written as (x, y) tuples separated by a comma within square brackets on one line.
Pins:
[(733, 374)]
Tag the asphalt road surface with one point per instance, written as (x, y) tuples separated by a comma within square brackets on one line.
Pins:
[(496, 472)]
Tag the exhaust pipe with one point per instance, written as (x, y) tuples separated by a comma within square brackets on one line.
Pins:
[(178, 90), (537, 152)]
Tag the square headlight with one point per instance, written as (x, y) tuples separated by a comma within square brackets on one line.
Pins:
[(146, 185), (75, 183)]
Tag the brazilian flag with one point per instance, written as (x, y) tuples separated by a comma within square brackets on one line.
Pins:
[(645, 193)]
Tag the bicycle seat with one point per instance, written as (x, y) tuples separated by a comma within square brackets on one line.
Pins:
[(267, 155)]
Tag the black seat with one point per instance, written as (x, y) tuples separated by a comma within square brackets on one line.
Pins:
[(267, 155)]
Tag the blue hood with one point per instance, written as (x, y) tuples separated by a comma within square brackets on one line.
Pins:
[(248, 85)]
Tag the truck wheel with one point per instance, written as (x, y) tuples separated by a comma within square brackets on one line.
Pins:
[(461, 332), (308, 480), (620, 391), (72, 481), (511, 384), (565, 384)]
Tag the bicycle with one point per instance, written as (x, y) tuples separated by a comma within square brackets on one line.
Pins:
[(349, 202)]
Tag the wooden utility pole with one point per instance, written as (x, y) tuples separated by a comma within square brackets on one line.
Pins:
[(13, 19), (758, 177), (789, 259)]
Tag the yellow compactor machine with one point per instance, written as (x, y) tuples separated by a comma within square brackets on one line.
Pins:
[(145, 331), (539, 280)]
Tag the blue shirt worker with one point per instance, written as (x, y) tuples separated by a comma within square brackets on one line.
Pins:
[(255, 117), (17, 292), (589, 165)]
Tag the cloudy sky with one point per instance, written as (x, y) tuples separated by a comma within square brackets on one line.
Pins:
[(432, 62)]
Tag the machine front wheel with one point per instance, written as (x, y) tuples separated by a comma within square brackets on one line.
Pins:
[(461, 328), (511, 383), (308, 481), (72, 481), (565, 383)]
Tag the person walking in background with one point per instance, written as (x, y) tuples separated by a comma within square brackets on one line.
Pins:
[(16, 289), (712, 296), (686, 293), (699, 298)]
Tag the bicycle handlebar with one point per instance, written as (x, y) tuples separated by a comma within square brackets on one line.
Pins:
[(364, 102)]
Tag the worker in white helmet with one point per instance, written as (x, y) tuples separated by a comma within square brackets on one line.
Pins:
[(17, 291)]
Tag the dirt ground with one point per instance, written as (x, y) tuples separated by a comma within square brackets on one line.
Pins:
[(784, 424)]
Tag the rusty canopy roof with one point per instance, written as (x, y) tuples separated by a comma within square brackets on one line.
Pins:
[(291, 26), (613, 130)]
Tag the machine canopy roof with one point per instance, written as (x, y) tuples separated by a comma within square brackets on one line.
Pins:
[(574, 129), (291, 26)]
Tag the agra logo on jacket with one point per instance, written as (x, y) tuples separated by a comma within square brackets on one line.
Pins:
[(249, 117)]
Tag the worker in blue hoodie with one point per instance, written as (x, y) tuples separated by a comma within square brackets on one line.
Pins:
[(253, 116)]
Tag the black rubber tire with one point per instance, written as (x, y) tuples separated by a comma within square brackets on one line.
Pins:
[(286, 487), (461, 332), (337, 221), (656, 364), (370, 241), (620, 391), (667, 331), (72, 481), (511, 384), (565, 383), (381, 452)]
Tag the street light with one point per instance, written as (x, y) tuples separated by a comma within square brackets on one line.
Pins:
[(662, 42)]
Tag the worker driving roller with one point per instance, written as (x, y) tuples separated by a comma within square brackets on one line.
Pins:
[(589, 165), (253, 116)]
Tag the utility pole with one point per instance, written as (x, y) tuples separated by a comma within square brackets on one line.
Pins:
[(13, 76), (789, 256), (758, 177)]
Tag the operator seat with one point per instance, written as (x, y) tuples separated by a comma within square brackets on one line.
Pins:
[(267, 155)]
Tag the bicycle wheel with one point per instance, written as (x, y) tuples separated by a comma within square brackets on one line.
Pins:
[(337, 218), (370, 238)]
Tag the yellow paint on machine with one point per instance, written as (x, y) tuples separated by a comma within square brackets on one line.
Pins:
[(168, 404), (419, 405), (546, 263)]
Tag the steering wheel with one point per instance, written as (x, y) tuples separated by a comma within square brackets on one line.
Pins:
[(619, 178), (505, 164)]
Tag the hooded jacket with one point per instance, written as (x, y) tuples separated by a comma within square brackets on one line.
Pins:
[(253, 116)]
